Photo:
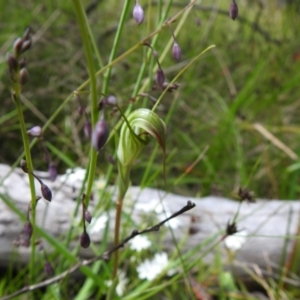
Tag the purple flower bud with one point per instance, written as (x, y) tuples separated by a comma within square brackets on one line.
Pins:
[(80, 110), (111, 100), (26, 45), (27, 231), (88, 216), (87, 129), (160, 77), (11, 62), (26, 34), (23, 165), (176, 51), (99, 135), (23, 79), (155, 53), (17, 46), (40, 246), (23, 62), (35, 131), (52, 170), (85, 240), (46, 192), (48, 269), (138, 13), (234, 10)]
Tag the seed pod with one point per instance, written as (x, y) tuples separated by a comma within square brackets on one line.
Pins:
[(46, 192), (88, 216), (23, 79), (234, 10), (35, 131), (85, 240), (11, 62), (138, 13), (52, 170), (160, 77), (100, 135), (176, 51)]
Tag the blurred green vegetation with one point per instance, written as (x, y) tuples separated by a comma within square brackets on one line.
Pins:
[(251, 77)]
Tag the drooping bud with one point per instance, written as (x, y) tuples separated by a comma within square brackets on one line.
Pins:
[(85, 240), (26, 45), (176, 52), (155, 53), (46, 192), (23, 165), (48, 269), (111, 100), (26, 34), (41, 246), (35, 131), (27, 230), (99, 135), (233, 10), (11, 62), (88, 216), (17, 46), (138, 13), (160, 77), (23, 62), (80, 110), (23, 78), (87, 129), (52, 170)]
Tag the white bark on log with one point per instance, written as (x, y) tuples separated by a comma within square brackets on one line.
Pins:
[(267, 222)]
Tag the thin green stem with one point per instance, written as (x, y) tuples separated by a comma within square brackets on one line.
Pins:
[(115, 45), (85, 34), (17, 100), (123, 184)]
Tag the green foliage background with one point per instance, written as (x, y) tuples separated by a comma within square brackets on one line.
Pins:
[(252, 76)]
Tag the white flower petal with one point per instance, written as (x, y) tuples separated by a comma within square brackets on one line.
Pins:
[(149, 269), (123, 281), (73, 176), (236, 241), (139, 243), (98, 224)]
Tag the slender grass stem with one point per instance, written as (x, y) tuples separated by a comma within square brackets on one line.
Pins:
[(115, 45), (17, 100), (85, 33)]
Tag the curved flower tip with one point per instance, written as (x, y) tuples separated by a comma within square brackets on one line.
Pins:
[(142, 122)]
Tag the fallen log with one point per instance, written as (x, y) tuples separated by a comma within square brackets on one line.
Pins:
[(268, 226)]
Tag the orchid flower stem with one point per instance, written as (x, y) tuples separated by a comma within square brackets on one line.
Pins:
[(123, 184)]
